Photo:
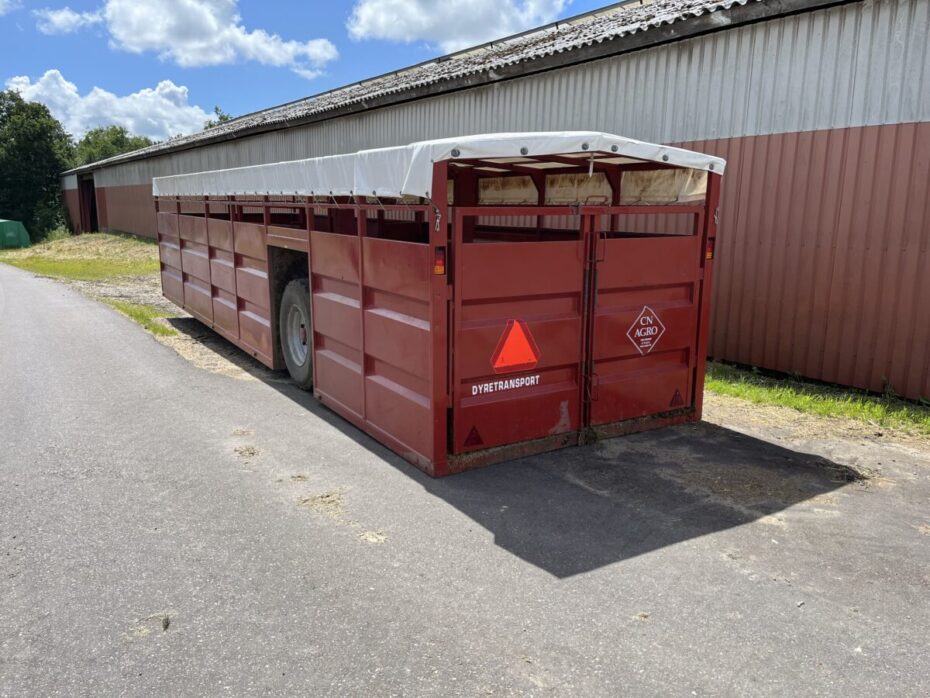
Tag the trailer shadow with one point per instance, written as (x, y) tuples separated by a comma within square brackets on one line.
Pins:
[(579, 509)]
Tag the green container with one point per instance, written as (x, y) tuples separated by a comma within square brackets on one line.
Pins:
[(13, 234)]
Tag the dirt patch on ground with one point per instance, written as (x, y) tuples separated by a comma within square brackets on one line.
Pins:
[(752, 487), (107, 246), (155, 623), (141, 290), (329, 504), (373, 537), (246, 453), (205, 349), (332, 505), (792, 425)]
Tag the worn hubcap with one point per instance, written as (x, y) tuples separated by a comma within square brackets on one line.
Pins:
[(297, 335)]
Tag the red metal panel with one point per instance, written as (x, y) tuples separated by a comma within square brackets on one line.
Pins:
[(198, 299), (172, 285), (250, 240), (195, 265), (223, 270), (398, 343), (193, 228), (225, 313), (540, 284), (288, 238), (168, 223), (251, 286), (336, 306), (252, 282), (255, 331), (220, 234), (195, 260), (169, 253), (644, 285)]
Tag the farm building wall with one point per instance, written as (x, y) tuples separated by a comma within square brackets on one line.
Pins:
[(824, 118), (69, 191)]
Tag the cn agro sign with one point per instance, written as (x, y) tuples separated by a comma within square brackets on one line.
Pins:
[(646, 330)]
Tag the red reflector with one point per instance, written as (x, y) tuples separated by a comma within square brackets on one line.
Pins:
[(516, 350), (473, 438), (439, 261), (709, 252)]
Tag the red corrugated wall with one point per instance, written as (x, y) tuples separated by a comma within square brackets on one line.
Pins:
[(129, 209), (72, 204), (823, 266)]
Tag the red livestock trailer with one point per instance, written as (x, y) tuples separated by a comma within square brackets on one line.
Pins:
[(466, 300)]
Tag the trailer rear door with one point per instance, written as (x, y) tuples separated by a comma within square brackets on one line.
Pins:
[(517, 344), (644, 325), (552, 336)]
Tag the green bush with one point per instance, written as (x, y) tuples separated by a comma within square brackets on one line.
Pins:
[(34, 151)]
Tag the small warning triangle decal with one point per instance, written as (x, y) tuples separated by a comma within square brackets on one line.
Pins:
[(677, 400), (516, 350), (474, 438)]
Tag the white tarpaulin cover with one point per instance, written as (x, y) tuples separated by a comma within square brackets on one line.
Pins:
[(408, 170)]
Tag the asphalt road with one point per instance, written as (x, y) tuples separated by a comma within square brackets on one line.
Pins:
[(169, 531)]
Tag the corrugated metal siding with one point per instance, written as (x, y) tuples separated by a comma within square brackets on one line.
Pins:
[(73, 207), (129, 209), (69, 182), (823, 255), (853, 65)]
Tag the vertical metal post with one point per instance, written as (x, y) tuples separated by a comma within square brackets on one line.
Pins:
[(361, 223), (438, 221), (589, 289), (708, 234)]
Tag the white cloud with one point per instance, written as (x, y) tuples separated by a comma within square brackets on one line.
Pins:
[(8, 6), (65, 20), (194, 33), (450, 24), (158, 113)]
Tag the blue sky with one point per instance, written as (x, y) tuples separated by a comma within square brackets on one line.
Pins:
[(158, 66)]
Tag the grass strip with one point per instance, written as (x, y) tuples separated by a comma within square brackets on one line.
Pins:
[(91, 257), (145, 315), (816, 398)]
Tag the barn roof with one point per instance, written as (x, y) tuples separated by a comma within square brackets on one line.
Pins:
[(471, 67)]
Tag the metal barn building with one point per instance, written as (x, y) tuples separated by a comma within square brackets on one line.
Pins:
[(821, 108)]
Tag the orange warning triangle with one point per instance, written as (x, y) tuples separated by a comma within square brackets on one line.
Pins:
[(516, 350)]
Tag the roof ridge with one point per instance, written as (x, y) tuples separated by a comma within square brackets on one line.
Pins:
[(572, 33)]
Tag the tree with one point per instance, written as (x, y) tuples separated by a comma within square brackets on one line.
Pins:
[(221, 118), (107, 142), (34, 151)]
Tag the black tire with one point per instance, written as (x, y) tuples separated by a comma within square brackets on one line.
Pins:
[(296, 331)]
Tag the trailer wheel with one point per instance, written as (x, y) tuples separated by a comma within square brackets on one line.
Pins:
[(295, 330)]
